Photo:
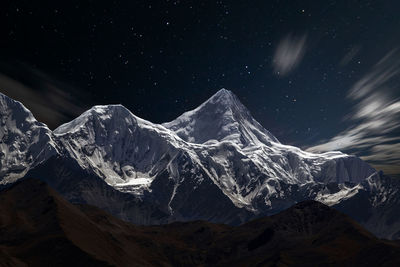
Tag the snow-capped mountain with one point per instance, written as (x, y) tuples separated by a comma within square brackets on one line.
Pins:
[(24, 142), (118, 146), (145, 159), (220, 118), (221, 142), (215, 163)]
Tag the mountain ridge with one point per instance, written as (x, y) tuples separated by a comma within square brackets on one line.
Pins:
[(241, 168)]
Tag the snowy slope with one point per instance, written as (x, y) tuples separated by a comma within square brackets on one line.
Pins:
[(118, 146), (24, 142)]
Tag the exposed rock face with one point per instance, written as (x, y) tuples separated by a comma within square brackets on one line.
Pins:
[(78, 185)]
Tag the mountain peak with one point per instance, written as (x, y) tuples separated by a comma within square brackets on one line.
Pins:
[(23, 140), (223, 91), (106, 113), (222, 94), (227, 99), (220, 118), (17, 109)]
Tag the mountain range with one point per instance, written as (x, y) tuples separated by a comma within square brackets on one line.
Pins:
[(41, 228), (214, 163)]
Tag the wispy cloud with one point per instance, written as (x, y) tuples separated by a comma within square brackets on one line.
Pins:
[(50, 101), (289, 53), (375, 134)]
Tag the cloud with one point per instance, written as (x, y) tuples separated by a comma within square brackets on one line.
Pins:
[(50, 101), (289, 53), (375, 130)]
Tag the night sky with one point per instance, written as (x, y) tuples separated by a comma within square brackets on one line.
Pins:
[(321, 75)]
